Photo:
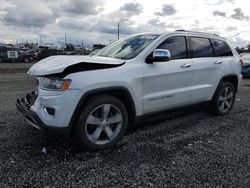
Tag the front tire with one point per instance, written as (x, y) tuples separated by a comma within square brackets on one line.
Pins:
[(102, 123), (223, 100)]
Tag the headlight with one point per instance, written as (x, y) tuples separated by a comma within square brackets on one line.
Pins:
[(56, 84)]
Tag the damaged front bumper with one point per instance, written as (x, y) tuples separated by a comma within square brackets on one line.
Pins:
[(24, 106)]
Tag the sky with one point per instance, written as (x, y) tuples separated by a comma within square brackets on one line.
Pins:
[(95, 21)]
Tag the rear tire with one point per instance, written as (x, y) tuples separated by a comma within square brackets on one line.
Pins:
[(223, 99), (102, 123), (26, 60)]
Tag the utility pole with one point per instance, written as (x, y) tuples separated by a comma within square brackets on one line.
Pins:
[(65, 39), (118, 32), (41, 42)]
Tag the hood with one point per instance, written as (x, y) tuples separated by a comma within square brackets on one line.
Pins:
[(62, 64)]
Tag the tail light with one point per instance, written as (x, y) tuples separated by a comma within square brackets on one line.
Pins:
[(241, 61)]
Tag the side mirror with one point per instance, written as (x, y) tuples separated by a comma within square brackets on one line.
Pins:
[(159, 55)]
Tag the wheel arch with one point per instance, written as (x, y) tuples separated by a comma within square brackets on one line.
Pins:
[(232, 78), (214, 103), (119, 92)]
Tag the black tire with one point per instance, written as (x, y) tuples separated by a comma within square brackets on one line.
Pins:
[(215, 104), (1, 60), (80, 130), (26, 60)]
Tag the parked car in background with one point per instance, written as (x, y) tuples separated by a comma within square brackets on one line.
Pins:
[(81, 52), (246, 64), (76, 52), (95, 97), (27, 56), (4, 54), (23, 56), (94, 52), (46, 52)]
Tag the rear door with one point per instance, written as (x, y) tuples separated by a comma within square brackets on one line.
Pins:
[(168, 84), (208, 68)]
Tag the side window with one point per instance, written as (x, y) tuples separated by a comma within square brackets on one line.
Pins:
[(177, 47), (221, 48), (201, 47)]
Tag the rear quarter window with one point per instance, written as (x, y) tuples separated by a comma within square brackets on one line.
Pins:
[(201, 47), (221, 48)]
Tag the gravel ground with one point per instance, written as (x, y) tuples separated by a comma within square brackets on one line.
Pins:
[(14, 67), (187, 149)]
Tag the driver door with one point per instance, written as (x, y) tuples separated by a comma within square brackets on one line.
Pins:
[(168, 84)]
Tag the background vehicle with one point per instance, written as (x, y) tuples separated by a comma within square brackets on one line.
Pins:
[(23, 56), (94, 52), (46, 52), (3, 53), (27, 55), (246, 64), (96, 97)]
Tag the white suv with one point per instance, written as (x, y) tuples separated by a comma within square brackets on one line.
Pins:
[(96, 97)]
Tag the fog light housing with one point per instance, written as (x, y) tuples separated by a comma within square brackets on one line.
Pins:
[(49, 111)]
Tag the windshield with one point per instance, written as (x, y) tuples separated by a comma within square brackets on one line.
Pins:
[(127, 48)]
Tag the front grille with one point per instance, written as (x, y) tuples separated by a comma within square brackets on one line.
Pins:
[(24, 104), (37, 85), (31, 98), (37, 82)]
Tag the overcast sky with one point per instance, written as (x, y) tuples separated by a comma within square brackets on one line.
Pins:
[(96, 20)]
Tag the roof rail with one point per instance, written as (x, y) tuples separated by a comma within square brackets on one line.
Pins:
[(196, 32)]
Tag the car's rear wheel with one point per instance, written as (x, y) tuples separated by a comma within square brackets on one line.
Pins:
[(102, 123), (223, 99), (26, 60)]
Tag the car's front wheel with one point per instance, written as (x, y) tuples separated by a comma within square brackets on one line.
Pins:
[(102, 123), (223, 99)]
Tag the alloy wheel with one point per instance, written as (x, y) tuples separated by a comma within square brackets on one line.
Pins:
[(226, 99), (103, 124), (26, 60)]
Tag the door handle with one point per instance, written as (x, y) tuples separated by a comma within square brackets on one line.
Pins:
[(218, 62), (185, 65)]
